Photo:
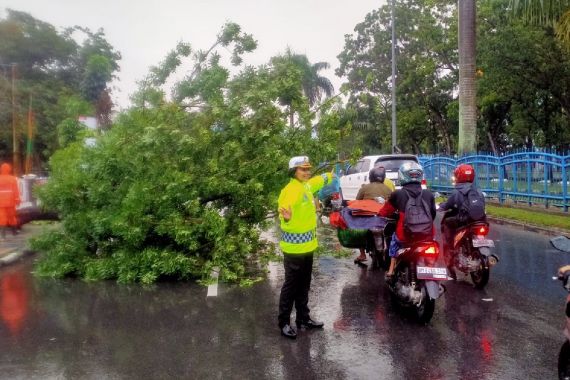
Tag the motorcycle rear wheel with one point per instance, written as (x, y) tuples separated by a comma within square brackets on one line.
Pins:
[(425, 309), (564, 362), (380, 260), (480, 277)]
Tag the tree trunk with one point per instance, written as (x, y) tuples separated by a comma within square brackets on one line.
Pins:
[(467, 88), (493, 147), (291, 116)]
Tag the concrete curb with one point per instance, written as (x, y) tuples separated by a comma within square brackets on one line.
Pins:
[(13, 256), (549, 231)]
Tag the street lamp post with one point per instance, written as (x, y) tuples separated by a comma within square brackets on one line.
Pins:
[(394, 142)]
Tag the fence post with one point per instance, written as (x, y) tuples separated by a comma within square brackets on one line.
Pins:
[(515, 181), (549, 167), (487, 175), (501, 179), (528, 181), (564, 184)]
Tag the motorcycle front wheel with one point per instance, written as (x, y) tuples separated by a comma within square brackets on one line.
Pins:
[(564, 362), (425, 309), (480, 277)]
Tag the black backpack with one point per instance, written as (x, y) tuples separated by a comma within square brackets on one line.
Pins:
[(417, 219), (473, 207)]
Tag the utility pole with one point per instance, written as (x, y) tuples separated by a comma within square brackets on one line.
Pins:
[(394, 142), (15, 142)]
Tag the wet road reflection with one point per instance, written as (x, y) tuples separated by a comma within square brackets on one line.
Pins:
[(13, 301), (72, 329)]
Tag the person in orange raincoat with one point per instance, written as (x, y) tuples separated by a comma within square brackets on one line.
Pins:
[(9, 199)]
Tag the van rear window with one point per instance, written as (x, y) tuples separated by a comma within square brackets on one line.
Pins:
[(392, 165)]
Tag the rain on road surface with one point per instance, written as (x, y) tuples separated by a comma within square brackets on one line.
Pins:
[(75, 330)]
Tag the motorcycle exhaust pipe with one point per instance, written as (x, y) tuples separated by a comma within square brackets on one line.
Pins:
[(493, 260)]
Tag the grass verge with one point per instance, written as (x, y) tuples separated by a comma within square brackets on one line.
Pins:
[(537, 218)]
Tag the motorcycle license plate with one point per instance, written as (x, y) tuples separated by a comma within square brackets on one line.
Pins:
[(483, 243), (431, 273)]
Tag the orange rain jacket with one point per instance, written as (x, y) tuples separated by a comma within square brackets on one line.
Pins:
[(9, 196)]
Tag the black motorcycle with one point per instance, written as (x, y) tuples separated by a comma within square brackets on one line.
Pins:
[(564, 355), (471, 253), (416, 278)]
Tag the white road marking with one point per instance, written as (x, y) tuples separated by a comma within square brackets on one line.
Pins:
[(213, 288)]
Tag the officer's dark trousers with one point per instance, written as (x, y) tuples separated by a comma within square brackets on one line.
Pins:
[(295, 289)]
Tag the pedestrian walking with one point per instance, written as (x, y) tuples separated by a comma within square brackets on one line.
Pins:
[(9, 199)]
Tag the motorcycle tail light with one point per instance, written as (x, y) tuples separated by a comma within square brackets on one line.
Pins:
[(458, 237), (430, 250), (424, 182), (335, 196), (481, 230)]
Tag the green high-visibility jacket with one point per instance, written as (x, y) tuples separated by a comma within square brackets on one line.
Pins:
[(298, 235)]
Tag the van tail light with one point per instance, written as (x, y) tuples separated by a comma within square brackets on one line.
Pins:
[(481, 230)]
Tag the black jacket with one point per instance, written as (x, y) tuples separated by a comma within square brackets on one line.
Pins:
[(455, 200)]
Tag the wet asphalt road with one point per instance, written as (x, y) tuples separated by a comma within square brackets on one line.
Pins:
[(75, 330)]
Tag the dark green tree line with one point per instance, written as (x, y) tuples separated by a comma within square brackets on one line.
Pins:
[(52, 69), (522, 80)]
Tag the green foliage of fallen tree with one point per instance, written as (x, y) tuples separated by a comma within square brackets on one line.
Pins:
[(171, 192)]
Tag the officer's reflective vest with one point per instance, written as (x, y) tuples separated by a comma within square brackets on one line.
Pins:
[(299, 234)]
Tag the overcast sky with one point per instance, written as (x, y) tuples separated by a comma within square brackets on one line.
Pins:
[(144, 31)]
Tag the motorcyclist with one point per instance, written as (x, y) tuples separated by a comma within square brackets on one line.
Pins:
[(410, 176), (455, 207), (373, 190)]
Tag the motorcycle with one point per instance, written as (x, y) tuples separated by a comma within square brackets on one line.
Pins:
[(416, 278), (564, 355), (375, 240), (471, 253)]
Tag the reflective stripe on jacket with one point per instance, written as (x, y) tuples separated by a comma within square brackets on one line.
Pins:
[(299, 233)]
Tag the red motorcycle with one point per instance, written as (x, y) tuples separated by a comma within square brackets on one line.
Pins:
[(471, 253), (416, 278)]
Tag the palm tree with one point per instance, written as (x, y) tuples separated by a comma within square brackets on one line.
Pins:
[(467, 90), (313, 85), (555, 13)]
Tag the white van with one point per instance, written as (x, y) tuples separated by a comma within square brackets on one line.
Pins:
[(357, 175)]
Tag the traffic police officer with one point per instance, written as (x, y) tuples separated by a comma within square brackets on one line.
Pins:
[(298, 217)]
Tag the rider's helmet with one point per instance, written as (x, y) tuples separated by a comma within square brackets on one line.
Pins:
[(377, 174), (410, 172), (464, 173)]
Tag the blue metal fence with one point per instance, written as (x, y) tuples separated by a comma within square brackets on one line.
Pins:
[(530, 177)]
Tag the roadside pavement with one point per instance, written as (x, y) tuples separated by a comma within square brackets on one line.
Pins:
[(12, 248)]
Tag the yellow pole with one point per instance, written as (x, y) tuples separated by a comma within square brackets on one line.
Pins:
[(15, 144)]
